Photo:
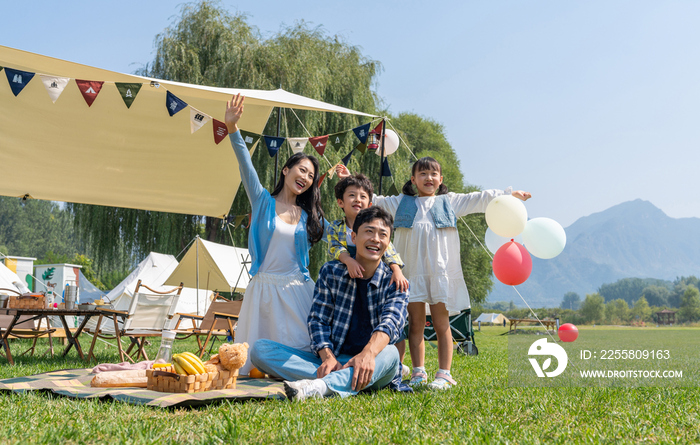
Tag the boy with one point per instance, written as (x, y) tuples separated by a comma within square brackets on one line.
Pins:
[(353, 194)]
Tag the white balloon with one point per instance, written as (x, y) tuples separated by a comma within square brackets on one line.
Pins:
[(391, 143), (494, 242), (506, 216), (544, 238)]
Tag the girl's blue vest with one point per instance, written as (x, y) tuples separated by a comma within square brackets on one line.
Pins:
[(442, 212)]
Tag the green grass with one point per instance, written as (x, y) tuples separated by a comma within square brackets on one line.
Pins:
[(482, 409)]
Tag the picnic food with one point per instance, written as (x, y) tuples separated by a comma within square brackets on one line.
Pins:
[(256, 374), (189, 363), (118, 379), (233, 356)]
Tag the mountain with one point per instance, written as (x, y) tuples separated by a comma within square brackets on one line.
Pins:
[(634, 239)]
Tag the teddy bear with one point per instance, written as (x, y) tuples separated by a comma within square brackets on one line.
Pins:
[(233, 356)]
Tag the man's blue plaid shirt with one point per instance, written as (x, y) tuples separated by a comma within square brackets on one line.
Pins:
[(334, 297)]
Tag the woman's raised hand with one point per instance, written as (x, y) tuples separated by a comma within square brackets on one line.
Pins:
[(234, 111)]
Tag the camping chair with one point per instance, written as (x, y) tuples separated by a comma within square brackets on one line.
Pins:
[(148, 315), (27, 326), (220, 320), (462, 332)]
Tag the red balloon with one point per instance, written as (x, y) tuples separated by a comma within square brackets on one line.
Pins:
[(568, 332), (512, 264)]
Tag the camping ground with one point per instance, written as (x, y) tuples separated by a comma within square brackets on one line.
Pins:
[(482, 409)]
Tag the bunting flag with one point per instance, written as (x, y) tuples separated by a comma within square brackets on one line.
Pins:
[(331, 171), (320, 181), (197, 119), (89, 89), (335, 141), (220, 131), (361, 148), (174, 103), (386, 171), (297, 144), (250, 139), (18, 79), (346, 159), (54, 85), (128, 91), (319, 143), (362, 132), (239, 220), (273, 144), (393, 191)]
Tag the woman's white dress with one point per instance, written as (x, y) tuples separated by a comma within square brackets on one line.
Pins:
[(278, 300), (432, 255)]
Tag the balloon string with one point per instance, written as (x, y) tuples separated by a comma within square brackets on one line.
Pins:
[(514, 288)]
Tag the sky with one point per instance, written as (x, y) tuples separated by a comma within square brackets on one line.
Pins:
[(586, 104)]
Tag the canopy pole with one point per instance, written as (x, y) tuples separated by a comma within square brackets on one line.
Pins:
[(381, 158), (277, 155), (197, 267)]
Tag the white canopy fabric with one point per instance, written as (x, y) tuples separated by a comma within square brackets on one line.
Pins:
[(220, 267), (107, 154), (491, 318)]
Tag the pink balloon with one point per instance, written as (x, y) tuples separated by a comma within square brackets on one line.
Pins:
[(512, 264)]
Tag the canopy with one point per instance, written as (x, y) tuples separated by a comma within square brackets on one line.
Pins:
[(109, 154), (491, 318), (220, 267)]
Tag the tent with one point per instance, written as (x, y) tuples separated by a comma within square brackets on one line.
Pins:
[(153, 271), (493, 318), (133, 147), (87, 292), (208, 265), (7, 278)]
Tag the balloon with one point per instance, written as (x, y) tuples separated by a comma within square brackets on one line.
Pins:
[(568, 332), (494, 242), (506, 216), (512, 264), (544, 238), (391, 143)]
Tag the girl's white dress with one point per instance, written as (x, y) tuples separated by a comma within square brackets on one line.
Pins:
[(431, 255), (278, 299)]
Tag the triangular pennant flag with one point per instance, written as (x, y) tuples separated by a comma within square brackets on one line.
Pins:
[(346, 159), (273, 144), (89, 89), (319, 143), (335, 141), (239, 220), (362, 132), (331, 171), (128, 91), (361, 148), (54, 85), (297, 144), (386, 171), (220, 130), (320, 181), (393, 191), (18, 79), (197, 119), (250, 139), (174, 104), (379, 127)]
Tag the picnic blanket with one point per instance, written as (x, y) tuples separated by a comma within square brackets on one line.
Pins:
[(75, 383)]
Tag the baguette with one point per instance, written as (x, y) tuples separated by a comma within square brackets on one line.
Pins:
[(120, 379)]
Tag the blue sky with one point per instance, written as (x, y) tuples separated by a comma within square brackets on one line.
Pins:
[(586, 104)]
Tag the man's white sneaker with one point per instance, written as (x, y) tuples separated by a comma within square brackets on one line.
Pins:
[(304, 389)]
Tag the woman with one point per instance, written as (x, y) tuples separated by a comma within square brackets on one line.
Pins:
[(284, 226)]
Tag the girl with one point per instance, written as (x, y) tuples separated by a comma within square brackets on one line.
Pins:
[(284, 226), (426, 235)]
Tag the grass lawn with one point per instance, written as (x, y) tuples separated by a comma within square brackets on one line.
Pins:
[(482, 409)]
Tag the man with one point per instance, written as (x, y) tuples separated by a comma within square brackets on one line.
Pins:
[(353, 323)]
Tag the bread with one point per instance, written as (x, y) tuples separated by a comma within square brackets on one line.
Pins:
[(120, 379)]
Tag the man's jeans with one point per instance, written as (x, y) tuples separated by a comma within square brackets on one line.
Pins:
[(292, 364)]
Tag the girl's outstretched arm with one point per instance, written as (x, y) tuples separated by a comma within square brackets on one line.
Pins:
[(524, 196)]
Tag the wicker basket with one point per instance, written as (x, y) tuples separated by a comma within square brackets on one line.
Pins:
[(34, 301), (166, 380)]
